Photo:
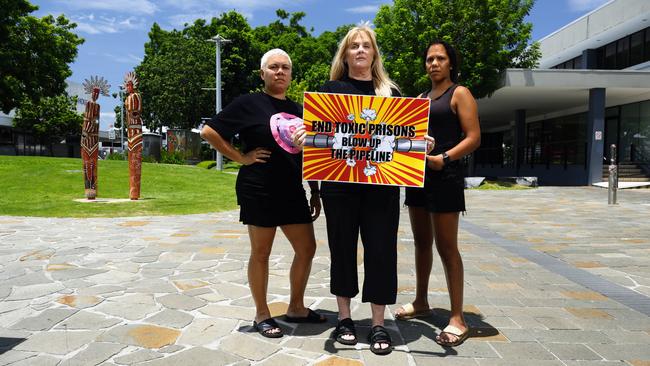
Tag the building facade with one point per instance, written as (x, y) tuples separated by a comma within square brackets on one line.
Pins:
[(14, 141), (591, 90)]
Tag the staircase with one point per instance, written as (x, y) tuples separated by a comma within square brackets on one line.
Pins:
[(627, 172)]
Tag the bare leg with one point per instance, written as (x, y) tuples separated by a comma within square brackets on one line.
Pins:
[(422, 228), (377, 314), (446, 233), (344, 307), (258, 269), (301, 237)]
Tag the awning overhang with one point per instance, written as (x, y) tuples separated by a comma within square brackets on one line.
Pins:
[(543, 93)]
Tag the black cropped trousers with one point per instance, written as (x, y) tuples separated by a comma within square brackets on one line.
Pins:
[(373, 212)]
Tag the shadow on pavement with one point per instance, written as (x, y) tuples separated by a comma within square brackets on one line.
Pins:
[(420, 334), (6, 344)]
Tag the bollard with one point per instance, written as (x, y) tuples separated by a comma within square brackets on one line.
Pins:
[(613, 176)]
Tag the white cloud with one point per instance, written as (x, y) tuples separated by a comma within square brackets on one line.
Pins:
[(125, 59), (585, 5), (179, 20), (96, 25), (107, 116), (364, 9), (191, 10), (121, 6), (230, 4)]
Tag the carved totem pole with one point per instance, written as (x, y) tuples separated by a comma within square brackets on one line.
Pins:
[(90, 133), (133, 106)]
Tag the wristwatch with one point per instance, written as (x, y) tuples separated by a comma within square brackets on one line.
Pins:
[(445, 158)]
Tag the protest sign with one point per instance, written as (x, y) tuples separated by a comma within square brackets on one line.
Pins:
[(365, 139)]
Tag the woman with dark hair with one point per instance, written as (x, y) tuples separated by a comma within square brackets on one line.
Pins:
[(434, 210)]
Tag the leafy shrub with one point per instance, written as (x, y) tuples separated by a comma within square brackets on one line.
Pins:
[(172, 158), (149, 159), (231, 165), (207, 164), (116, 156), (207, 152)]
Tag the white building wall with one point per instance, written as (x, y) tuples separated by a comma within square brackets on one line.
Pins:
[(609, 22), (72, 90)]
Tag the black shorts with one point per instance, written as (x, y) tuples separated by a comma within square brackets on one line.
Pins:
[(267, 212), (444, 191)]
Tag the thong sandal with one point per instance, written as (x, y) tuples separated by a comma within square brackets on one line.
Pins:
[(407, 311), (266, 327), (312, 317), (379, 335), (454, 331), (345, 327)]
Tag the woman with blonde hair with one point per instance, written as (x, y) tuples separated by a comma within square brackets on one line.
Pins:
[(352, 208), (383, 85)]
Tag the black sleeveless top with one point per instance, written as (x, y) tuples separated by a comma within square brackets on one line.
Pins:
[(444, 125)]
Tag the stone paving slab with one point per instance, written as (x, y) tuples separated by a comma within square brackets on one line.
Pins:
[(173, 290)]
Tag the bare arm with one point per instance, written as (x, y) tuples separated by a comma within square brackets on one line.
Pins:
[(258, 155), (464, 104)]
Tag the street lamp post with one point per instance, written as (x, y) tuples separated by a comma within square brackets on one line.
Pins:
[(121, 119), (218, 40)]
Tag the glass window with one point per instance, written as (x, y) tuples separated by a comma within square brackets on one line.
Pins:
[(577, 62), (6, 137), (569, 64), (623, 53), (629, 131), (533, 149), (636, 48), (610, 56), (611, 112), (600, 58), (644, 132), (647, 44)]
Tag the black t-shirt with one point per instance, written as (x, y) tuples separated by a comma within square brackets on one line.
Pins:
[(249, 116), (348, 85)]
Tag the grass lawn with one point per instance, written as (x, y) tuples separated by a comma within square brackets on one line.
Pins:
[(44, 186), (493, 185)]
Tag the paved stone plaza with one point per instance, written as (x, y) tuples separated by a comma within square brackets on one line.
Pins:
[(554, 276)]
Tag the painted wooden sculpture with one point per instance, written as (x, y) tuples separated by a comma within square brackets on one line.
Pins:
[(90, 133), (133, 106)]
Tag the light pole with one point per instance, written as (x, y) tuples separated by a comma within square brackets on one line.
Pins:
[(121, 119), (218, 40)]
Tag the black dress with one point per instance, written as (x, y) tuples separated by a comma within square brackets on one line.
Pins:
[(370, 210), (444, 190), (269, 194)]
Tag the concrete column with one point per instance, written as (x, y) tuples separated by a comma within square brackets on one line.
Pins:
[(519, 138), (589, 59), (595, 135)]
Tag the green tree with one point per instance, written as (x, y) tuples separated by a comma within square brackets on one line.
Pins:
[(311, 55), (489, 35), (179, 65), (35, 54), (51, 119), (118, 116)]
